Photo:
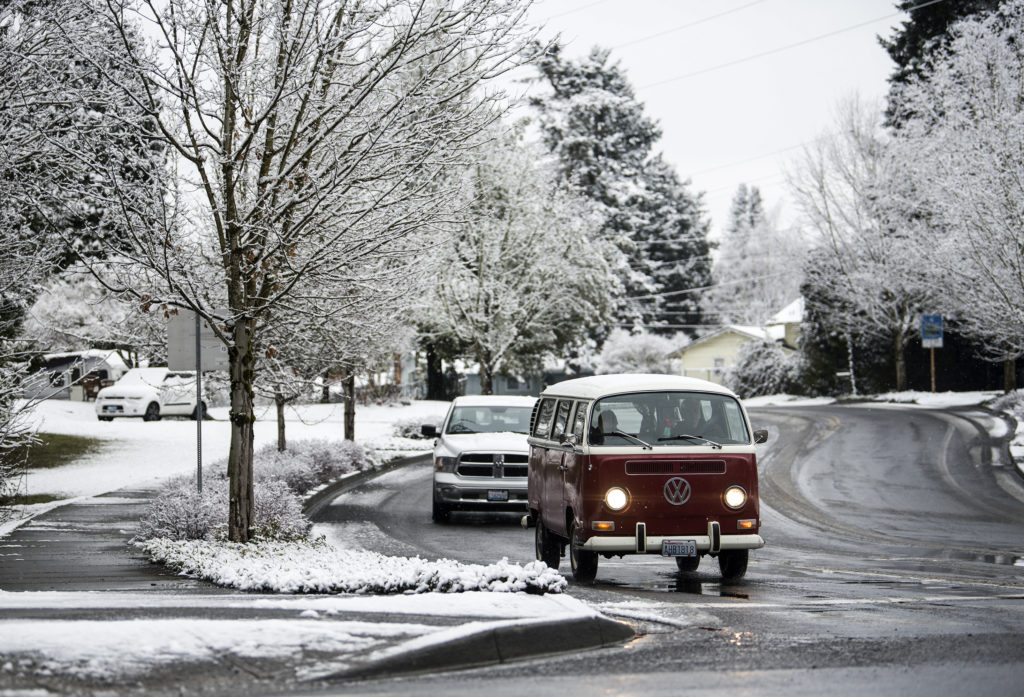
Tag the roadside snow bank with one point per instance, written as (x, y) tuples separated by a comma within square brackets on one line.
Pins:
[(305, 566)]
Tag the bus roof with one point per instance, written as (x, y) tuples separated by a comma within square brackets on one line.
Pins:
[(602, 385)]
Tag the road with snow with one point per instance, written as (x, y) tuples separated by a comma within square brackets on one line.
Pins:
[(894, 560)]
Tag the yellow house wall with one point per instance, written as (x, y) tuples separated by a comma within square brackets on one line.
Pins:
[(699, 361)]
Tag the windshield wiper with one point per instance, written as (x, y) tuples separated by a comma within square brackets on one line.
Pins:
[(713, 444), (622, 434)]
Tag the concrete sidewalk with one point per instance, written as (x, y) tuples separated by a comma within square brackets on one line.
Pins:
[(72, 572)]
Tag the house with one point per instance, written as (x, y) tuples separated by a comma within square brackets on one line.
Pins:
[(712, 355), (76, 375)]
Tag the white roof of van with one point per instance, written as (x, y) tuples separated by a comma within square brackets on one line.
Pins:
[(600, 385), (496, 400)]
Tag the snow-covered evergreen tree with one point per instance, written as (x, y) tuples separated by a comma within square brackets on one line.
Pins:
[(756, 271), (593, 123)]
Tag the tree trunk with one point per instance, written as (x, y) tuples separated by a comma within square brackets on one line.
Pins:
[(1009, 375), (240, 507), (901, 364), (325, 395), (279, 403), (435, 374), (349, 384), (486, 378)]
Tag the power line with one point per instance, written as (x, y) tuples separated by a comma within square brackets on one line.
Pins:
[(687, 25), (713, 285), (780, 49), (578, 9)]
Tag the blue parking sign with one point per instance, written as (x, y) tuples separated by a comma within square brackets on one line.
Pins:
[(931, 331)]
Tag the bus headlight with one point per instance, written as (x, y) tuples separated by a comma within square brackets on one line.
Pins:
[(616, 498), (735, 497)]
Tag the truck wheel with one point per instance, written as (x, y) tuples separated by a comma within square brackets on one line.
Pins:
[(546, 546), (439, 512), (152, 412), (583, 562), (688, 563), (733, 564)]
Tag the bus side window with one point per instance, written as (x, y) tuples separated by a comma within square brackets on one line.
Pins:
[(543, 426), (561, 419), (578, 421)]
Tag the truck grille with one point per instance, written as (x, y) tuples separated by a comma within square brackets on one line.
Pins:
[(493, 465)]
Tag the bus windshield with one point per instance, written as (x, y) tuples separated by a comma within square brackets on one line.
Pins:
[(660, 419)]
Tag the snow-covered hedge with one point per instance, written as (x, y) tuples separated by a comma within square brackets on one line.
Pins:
[(307, 464), (764, 368), (411, 428), (180, 513), (313, 566)]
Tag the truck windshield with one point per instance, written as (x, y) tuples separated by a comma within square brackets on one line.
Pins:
[(668, 419), (489, 419)]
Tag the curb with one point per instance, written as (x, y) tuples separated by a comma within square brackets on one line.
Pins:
[(319, 500), (496, 645)]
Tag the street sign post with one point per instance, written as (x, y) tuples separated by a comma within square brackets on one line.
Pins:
[(931, 338), (192, 344)]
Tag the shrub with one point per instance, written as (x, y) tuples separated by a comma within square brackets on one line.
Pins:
[(180, 513), (763, 368), (410, 428)]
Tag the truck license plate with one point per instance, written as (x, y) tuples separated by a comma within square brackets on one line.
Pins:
[(497, 495), (679, 548)]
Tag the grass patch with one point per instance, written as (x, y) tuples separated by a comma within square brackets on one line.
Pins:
[(29, 499), (55, 450)]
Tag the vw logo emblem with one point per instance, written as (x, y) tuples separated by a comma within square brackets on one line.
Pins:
[(677, 491)]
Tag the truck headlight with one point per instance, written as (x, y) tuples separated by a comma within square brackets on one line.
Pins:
[(735, 497), (616, 498), (445, 464)]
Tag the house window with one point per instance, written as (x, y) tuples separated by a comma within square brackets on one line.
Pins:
[(717, 367), (511, 383)]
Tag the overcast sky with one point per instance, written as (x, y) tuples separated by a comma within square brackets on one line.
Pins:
[(736, 85)]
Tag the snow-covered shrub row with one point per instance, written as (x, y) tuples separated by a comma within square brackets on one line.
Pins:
[(763, 368), (313, 566), (410, 428), (307, 464), (1012, 403), (179, 512)]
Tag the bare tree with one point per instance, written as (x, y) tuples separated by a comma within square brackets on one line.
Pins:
[(845, 186), (962, 142), (303, 137)]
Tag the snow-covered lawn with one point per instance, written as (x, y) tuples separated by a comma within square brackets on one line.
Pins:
[(141, 454)]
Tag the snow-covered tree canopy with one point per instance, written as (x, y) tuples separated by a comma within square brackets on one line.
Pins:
[(625, 352), (303, 140), (962, 142), (848, 193), (603, 143), (523, 276)]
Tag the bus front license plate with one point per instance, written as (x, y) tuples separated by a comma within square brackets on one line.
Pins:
[(679, 548), (497, 495)]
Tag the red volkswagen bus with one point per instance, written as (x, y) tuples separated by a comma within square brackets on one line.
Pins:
[(643, 464)]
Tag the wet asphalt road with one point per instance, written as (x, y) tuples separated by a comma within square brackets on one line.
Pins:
[(894, 564)]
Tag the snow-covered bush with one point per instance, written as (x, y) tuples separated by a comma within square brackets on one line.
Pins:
[(635, 353), (764, 368), (313, 566), (307, 464), (410, 428), (179, 512)]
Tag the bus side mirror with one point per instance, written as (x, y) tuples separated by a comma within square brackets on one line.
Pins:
[(761, 435)]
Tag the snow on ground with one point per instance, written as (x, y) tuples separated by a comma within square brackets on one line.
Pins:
[(318, 640), (317, 567), (141, 454)]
